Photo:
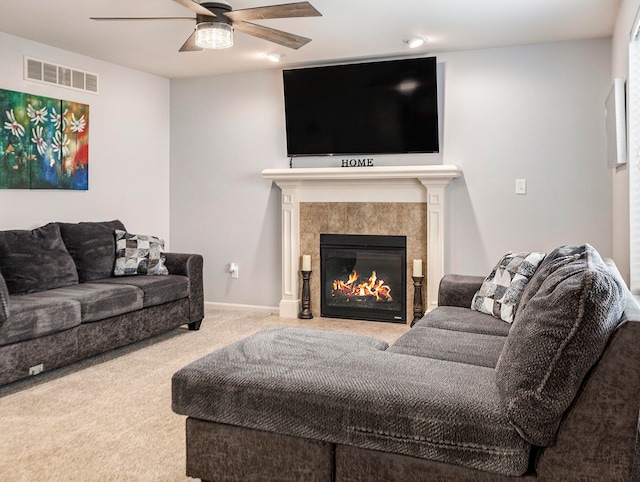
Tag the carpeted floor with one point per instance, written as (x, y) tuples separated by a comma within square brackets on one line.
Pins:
[(109, 418)]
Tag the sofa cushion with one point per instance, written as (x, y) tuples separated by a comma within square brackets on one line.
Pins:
[(35, 260), (344, 388), (99, 301), (157, 289), (501, 290), (555, 339), (556, 258), (4, 301), (455, 318), (139, 254), (92, 246), (457, 346), (33, 316)]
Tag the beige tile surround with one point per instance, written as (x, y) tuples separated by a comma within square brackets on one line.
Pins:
[(401, 219)]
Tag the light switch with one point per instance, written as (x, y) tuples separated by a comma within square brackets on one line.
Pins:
[(521, 186)]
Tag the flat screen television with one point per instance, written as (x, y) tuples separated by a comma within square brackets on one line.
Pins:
[(388, 107)]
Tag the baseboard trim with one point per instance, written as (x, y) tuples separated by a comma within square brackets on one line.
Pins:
[(268, 310)]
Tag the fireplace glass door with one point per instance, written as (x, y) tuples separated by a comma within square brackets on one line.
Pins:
[(363, 277)]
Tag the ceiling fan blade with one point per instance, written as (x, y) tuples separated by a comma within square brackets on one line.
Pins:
[(285, 39), (190, 44), (289, 10), (195, 7), (142, 18)]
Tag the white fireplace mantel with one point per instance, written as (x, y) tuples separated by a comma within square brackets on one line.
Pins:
[(366, 184)]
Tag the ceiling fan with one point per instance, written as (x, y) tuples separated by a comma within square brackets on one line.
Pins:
[(216, 21)]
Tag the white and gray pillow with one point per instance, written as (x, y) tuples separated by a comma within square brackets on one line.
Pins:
[(139, 254), (501, 290)]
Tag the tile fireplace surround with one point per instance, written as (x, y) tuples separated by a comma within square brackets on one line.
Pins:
[(360, 186)]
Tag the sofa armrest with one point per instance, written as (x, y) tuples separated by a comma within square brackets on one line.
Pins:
[(190, 265), (458, 290), (597, 435), (4, 301)]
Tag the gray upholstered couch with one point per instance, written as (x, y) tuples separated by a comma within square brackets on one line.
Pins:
[(461, 396), (60, 301)]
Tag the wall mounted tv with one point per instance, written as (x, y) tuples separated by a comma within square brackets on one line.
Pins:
[(388, 107)]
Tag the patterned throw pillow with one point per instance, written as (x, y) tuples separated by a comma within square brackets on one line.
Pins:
[(501, 290), (139, 254)]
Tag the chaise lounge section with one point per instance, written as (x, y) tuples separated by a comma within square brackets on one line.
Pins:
[(463, 395), (60, 301)]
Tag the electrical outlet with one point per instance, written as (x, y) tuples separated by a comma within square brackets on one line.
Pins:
[(521, 186), (36, 369)]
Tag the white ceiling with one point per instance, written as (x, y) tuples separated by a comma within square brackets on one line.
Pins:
[(348, 30)]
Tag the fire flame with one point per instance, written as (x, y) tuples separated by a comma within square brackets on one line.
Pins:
[(372, 287)]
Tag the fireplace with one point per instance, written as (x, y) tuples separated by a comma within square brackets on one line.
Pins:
[(363, 277), (391, 186)]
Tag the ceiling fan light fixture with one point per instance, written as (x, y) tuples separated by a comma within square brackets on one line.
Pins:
[(214, 35), (274, 56), (415, 42)]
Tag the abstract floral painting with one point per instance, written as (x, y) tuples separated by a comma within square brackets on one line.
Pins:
[(44, 142)]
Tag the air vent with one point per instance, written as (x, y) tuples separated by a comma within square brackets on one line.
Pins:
[(91, 82), (63, 76), (33, 69), (50, 73), (78, 79)]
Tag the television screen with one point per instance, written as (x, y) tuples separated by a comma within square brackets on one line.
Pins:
[(388, 107)]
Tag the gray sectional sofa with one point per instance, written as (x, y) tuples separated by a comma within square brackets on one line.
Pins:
[(60, 301), (461, 396)]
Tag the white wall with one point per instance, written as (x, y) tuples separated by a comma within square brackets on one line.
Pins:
[(532, 112), (535, 113), (224, 131), (620, 68), (128, 146)]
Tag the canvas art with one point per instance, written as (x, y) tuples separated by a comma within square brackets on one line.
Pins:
[(44, 142)]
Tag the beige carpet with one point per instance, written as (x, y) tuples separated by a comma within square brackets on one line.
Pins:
[(110, 418)]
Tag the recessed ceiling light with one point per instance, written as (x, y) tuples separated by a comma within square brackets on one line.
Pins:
[(415, 42), (274, 56)]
